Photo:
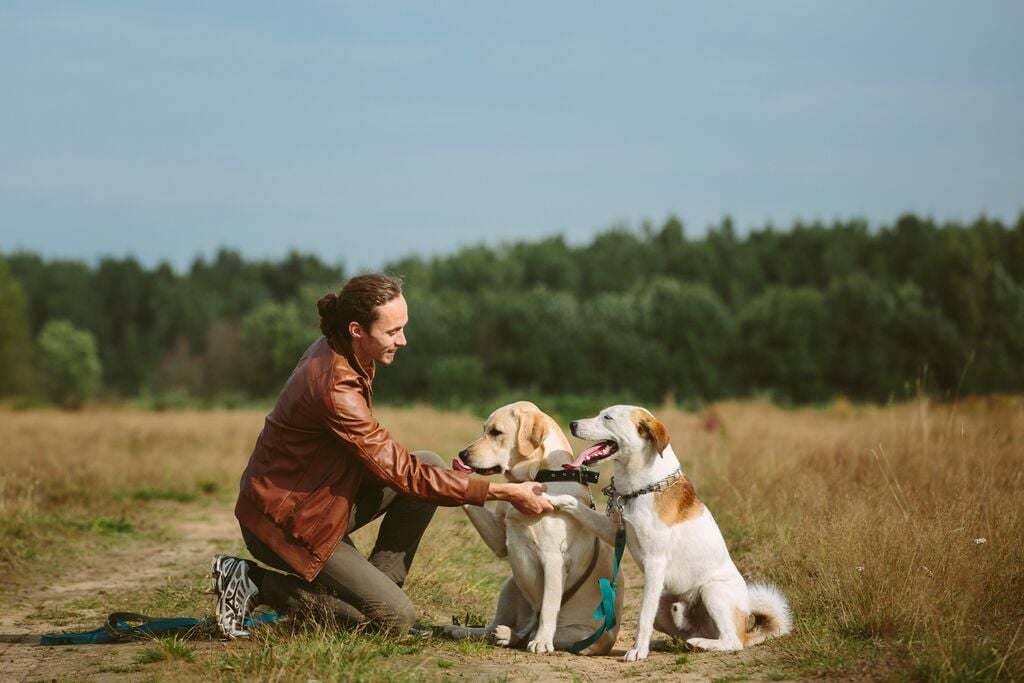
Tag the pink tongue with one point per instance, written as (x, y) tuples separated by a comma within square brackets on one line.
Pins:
[(582, 457), (460, 466)]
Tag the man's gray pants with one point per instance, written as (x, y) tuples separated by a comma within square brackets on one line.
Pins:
[(351, 589)]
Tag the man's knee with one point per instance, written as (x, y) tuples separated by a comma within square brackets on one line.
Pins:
[(431, 458), (394, 617)]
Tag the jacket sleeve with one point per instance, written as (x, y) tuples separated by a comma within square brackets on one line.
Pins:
[(349, 417)]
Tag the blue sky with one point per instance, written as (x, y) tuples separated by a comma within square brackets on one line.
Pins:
[(368, 131)]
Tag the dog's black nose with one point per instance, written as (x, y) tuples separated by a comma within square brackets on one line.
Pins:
[(463, 453), (572, 426)]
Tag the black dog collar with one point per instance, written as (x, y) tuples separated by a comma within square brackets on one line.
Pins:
[(581, 475)]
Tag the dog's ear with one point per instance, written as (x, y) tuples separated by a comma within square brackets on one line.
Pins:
[(651, 429), (531, 431)]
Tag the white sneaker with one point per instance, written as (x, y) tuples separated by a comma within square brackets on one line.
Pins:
[(236, 594)]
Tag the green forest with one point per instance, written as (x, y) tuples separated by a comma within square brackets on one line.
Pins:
[(810, 313)]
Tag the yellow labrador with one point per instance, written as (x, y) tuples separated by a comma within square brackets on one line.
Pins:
[(548, 603)]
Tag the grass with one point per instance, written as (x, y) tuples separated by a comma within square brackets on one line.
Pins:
[(164, 649), (869, 518)]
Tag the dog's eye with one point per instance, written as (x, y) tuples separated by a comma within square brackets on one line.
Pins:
[(607, 417), (495, 432)]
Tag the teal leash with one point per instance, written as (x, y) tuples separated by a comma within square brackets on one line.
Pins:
[(119, 628), (606, 609)]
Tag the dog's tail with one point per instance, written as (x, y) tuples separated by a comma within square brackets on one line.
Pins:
[(770, 610)]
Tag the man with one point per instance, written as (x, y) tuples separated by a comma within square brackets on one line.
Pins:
[(323, 467)]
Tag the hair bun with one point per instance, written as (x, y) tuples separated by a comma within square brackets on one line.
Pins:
[(326, 305)]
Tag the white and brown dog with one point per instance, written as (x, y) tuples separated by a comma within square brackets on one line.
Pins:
[(692, 589), (548, 602)]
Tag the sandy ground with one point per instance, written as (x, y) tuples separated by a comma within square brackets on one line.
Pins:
[(41, 605), (88, 590)]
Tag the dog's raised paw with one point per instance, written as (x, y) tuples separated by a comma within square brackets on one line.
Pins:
[(502, 635), (564, 502)]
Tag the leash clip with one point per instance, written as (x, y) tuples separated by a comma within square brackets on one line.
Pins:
[(616, 505)]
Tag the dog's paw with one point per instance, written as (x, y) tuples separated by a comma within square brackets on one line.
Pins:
[(635, 655), (679, 616), (564, 502), (715, 645), (541, 646), (502, 635)]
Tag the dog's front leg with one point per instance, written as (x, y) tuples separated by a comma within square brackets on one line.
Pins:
[(593, 520), (490, 528), (654, 580), (550, 602)]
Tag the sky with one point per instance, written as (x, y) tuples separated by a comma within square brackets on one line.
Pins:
[(365, 132)]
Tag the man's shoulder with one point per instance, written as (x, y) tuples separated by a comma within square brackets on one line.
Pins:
[(321, 371)]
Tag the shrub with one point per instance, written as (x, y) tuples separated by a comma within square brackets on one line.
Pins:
[(70, 363)]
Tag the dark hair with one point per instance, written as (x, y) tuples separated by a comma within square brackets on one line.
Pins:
[(357, 301)]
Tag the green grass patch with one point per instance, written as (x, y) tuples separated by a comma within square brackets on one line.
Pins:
[(981, 663), (159, 494), (325, 653), (120, 668), (55, 616), (166, 649), (112, 526)]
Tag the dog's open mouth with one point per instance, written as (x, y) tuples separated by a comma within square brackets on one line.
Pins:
[(460, 466), (598, 451)]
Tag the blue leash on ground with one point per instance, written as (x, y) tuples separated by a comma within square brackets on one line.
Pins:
[(605, 610), (125, 626)]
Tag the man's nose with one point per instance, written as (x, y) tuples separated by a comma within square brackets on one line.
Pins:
[(400, 339)]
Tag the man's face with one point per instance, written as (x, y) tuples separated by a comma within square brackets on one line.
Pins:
[(385, 336)]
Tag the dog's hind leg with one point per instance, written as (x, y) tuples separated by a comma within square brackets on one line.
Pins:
[(513, 618), (673, 617), (506, 618), (730, 622)]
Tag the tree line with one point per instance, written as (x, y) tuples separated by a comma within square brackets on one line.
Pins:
[(804, 314)]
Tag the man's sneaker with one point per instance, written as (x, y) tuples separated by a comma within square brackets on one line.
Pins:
[(236, 594), (421, 631)]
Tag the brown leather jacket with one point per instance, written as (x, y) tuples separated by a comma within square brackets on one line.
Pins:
[(317, 445)]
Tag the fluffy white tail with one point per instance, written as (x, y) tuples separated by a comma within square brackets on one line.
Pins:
[(770, 610)]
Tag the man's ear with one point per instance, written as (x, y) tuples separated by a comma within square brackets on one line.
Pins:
[(531, 432), (651, 429), (355, 330)]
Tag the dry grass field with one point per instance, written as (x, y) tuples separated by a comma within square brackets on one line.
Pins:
[(897, 532)]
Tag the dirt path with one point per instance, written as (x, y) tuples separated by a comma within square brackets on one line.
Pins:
[(517, 665), (79, 597)]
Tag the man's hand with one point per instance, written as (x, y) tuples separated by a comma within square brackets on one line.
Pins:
[(527, 496)]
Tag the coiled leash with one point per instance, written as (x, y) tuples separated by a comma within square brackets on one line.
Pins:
[(125, 626)]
